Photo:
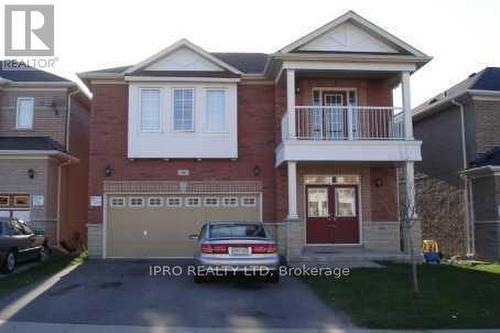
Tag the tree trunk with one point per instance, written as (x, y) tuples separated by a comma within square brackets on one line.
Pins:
[(414, 275)]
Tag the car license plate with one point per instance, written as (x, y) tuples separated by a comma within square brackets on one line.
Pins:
[(239, 251)]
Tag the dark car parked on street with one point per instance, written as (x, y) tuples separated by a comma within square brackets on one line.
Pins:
[(19, 243)]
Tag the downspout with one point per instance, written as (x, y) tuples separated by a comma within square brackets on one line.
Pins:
[(59, 171), (59, 205), (469, 225), (68, 117)]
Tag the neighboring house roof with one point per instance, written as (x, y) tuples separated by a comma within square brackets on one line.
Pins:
[(30, 143), (486, 82), (491, 157), (29, 75)]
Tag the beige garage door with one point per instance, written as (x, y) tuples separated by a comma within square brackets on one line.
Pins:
[(158, 226)]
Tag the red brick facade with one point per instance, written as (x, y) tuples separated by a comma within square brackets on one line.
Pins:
[(260, 107)]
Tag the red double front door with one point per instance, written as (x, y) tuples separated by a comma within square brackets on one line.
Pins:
[(332, 214)]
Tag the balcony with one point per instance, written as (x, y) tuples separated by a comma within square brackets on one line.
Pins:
[(345, 123), (345, 133)]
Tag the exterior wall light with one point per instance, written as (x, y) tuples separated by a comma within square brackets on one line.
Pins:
[(378, 182), (256, 171), (31, 173), (108, 171)]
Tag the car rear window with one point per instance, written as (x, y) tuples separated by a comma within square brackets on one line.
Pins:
[(237, 231)]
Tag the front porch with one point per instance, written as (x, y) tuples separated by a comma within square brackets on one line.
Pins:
[(343, 214)]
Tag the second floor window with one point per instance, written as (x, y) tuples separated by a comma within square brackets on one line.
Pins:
[(150, 109), (216, 110), (183, 106), (24, 113)]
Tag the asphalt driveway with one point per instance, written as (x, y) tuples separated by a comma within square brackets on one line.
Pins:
[(124, 293)]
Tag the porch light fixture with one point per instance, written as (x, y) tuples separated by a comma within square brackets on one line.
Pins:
[(256, 170), (378, 182), (54, 107), (108, 171), (31, 173), (297, 91)]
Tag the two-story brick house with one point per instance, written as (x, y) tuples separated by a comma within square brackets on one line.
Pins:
[(459, 131), (43, 152), (305, 139)]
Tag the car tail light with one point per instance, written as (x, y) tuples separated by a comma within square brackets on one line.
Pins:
[(264, 248), (214, 248)]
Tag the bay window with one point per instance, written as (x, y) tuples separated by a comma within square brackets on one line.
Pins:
[(215, 109), (150, 109), (183, 105)]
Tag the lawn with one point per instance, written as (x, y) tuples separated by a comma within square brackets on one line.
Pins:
[(53, 265), (459, 296)]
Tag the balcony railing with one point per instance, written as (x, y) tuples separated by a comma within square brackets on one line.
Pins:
[(345, 123)]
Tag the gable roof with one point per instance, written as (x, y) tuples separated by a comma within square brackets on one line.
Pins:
[(361, 22), (485, 82), (30, 74), (176, 46)]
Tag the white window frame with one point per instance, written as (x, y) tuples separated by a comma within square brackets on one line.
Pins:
[(225, 129), (210, 204), (155, 205), (254, 204), (187, 204), (168, 204), (18, 110), (113, 204), (130, 204), (225, 204), (160, 121), (193, 105)]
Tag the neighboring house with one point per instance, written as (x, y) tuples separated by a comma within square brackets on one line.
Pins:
[(43, 153), (305, 139), (459, 129)]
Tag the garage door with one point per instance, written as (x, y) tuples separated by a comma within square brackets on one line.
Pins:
[(158, 226)]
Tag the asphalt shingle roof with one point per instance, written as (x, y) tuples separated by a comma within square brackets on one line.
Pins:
[(29, 75), (29, 143)]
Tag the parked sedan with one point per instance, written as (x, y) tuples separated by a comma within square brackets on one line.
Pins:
[(227, 247), (19, 243)]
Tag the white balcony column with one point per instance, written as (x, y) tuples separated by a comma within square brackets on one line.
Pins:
[(292, 190), (290, 101), (405, 91), (350, 117)]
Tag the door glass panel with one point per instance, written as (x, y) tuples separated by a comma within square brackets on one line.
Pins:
[(345, 202), (334, 116), (317, 202)]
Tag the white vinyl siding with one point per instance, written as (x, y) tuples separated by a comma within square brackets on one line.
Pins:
[(183, 106), (215, 108), (24, 112), (150, 110)]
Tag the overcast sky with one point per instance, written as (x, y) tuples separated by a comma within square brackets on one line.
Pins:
[(462, 36)]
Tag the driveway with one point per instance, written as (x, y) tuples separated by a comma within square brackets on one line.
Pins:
[(124, 293)]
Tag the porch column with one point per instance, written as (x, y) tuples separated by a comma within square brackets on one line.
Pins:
[(290, 101), (292, 190), (405, 91)]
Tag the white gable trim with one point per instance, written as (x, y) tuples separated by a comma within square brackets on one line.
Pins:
[(177, 45), (350, 15)]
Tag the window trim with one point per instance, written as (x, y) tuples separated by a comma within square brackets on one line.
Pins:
[(243, 204), (156, 198), (124, 202), (224, 204), (211, 205), (8, 200), (167, 203), (18, 100), (193, 106), (134, 205), (28, 201), (226, 125), (187, 204), (160, 127)]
